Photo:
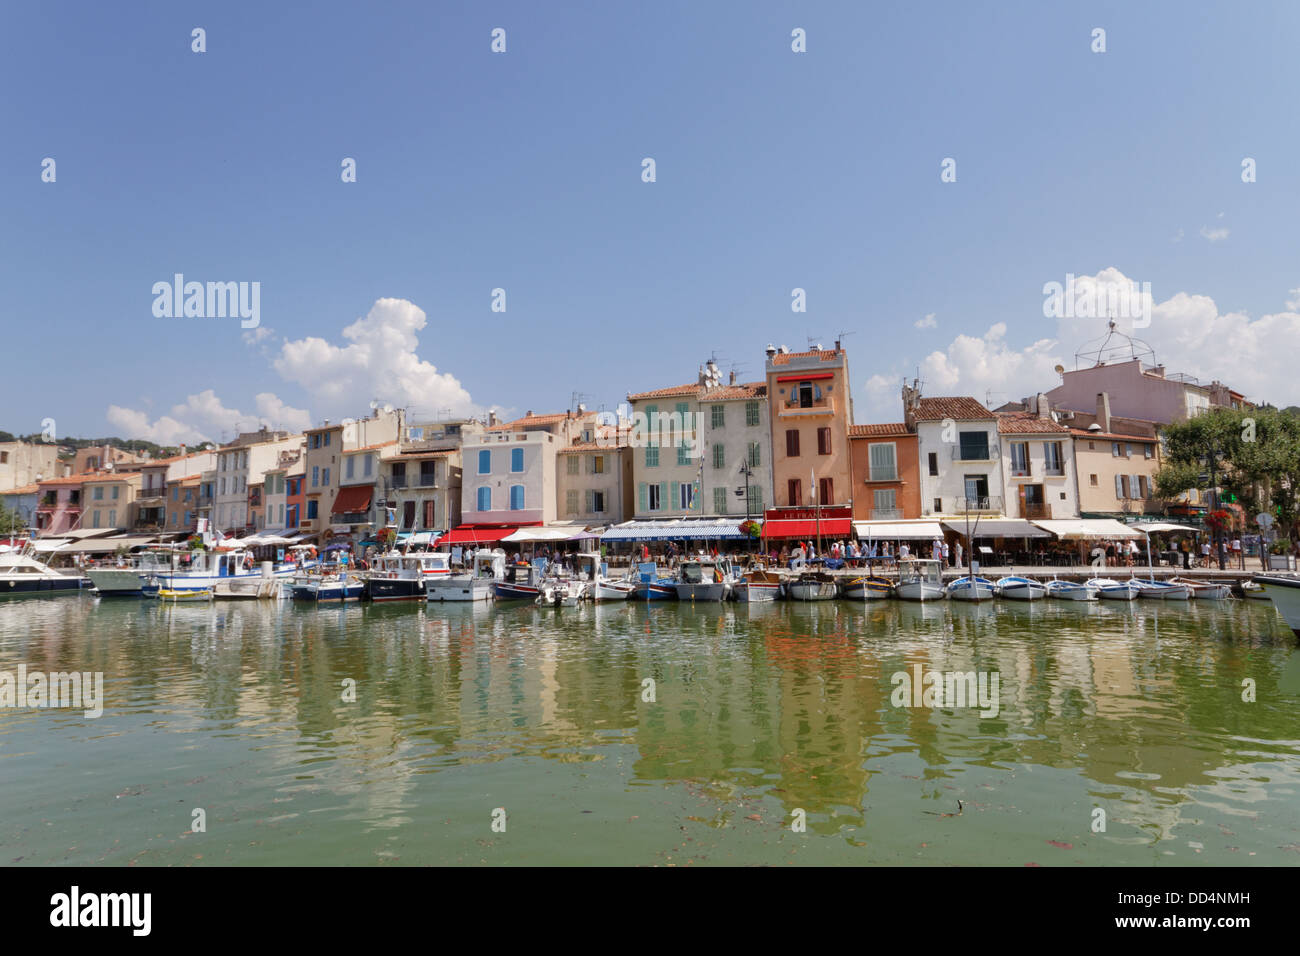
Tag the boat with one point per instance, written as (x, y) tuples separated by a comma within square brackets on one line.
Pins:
[(1284, 592), (920, 579), (1253, 592), (521, 582), (561, 592), (597, 585), (651, 584), (138, 578), (328, 588), (868, 587), (185, 594), (971, 588), (1154, 590), (21, 574), (402, 576), (702, 579), (1206, 590), (229, 571), (1016, 588), (1108, 589), (757, 586), (473, 584), (812, 586), (1071, 591)]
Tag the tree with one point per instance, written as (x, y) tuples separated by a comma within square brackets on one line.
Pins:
[(1256, 459), (9, 521)]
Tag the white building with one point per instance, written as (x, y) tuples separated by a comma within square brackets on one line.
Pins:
[(241, 464), (1038, 472), (508, 478), (957, 449)]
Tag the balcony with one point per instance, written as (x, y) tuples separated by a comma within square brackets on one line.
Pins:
[(985, 504), (974, 453), (793, 407), (882, 474), (1034, 510)]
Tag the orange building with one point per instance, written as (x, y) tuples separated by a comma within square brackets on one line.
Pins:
[(886, 472), (811, 409)]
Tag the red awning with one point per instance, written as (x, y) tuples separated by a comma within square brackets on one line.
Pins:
[(481, 533), (353, 499), (802, 528), (815, 377)]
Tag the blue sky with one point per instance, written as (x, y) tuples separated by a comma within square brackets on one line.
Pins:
[(522, 171)]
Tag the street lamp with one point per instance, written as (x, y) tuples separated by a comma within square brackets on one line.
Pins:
[(747, 473)]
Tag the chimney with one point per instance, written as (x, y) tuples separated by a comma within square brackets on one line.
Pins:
[(492, 417), (1044, 407), (1103, 411), (732, 379)]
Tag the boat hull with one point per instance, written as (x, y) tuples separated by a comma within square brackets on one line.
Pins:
[(869, 589), (963, 589), (1285, 595), (919, 591), (457, 588), (755, 592), (121, 582), (40, 585), (611, 591), (382, 590), (1026, 591), (810, 590), (705, 591), (515, 592), (1072, 592)]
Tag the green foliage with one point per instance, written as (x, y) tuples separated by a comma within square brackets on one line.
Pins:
[(9, 521), (1256, 459)]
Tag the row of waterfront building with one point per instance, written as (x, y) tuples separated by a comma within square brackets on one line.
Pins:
[(684, 461)]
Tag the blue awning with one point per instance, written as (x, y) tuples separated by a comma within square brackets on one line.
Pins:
[(678, 529)]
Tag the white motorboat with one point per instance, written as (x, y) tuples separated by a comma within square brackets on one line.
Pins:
[(598, 585), (1071, 591), (920, 579), (1206, 590), (1108, 589), (1252, 591), (22, 574), (1284, 592), (971, 588), (1153, 590), (228, 571), (702, 579), (402, 576), (1016, 588), (474, 584)]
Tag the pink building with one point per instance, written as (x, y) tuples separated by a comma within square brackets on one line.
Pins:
[(58, 505), (1141, 391)]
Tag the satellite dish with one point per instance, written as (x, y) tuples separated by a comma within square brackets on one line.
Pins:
[(1060, 370)]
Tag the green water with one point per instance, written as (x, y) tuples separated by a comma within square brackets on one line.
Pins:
[(762, 715)]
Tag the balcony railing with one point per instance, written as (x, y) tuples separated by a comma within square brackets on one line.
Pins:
[(821, 406), (883, 474), (1035, 510), (886, 514), (975, 454), (971, 505)]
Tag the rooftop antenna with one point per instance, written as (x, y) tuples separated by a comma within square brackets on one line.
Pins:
[(841, 335), (814, 342), (577, 398)]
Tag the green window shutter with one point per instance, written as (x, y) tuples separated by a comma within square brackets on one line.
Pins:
[(719, 455), (642, 503), (719, 416), (683, 455), (590, 501), (720, 501), (675, 500), (664, 501)]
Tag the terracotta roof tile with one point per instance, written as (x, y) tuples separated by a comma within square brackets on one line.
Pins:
[(878, 431), (1023, 423), (724, 393), (24, 490), (958, 408), (673, 391), (1084, 433), (826, 355)]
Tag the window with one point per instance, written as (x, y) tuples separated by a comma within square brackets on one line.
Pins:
[(315, 475), (597, 464), (719, 458), (1142, 486), (884, 503), (176, 492), (430, 513), (686, 496), (1149, 451), (571, 466), (653, 498), (367, 466), (792, 443), (428, 474), (484, 499), (279, 484), (825, 491), (516, 497), (805, 394), (95, 522), (938, 504), (934, 467), (883, 462), (823, 441), (571, 501), (1117, 449), (597, 502), (485, 462), (755, 456), (324, 476), (327, 439), (1092, 480), (112, 517), (1019, 457), (99, 493), (718, 416), (794, 491), (754, 502), (683, 454), (974, 446), (351, 467), (751, 413), (1052, 458), (1121, 486), (315, 441), (977, 491), (652, 456), (1132, 450), (719, 501), (516, 460)]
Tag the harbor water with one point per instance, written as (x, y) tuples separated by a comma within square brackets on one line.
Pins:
[(259, 733)]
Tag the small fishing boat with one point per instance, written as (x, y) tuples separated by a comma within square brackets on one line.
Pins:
[(650, 584), (401, 576), (1071, 591), (1108, 589), (1252, 591), (757, 586), (327, 588), (1284, 592), (702, 579), (597, 585), (1153, 590), (1016, 588), (971, 588), (920, 579), (868, 587), (184, 595), (1205, 590), (521, 582), (812, 586), (473, 584)]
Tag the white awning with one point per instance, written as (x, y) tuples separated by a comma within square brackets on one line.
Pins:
[(46, 545), (109, 545), (997, 528), (541, 534), (1089, 528), (80, 533), (897, 530), (1154, 527)]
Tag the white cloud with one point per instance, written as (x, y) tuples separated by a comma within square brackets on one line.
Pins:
[(203, 417), (1214, 235), (927, 322), (1187, 332), (1178, 237), (378, 362)]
